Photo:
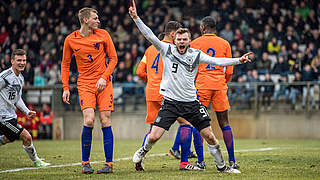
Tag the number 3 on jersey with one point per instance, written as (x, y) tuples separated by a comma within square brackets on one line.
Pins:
[(90, 58), (155, 63), (209, 66)]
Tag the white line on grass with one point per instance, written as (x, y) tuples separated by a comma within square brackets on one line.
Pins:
[(122, 159)]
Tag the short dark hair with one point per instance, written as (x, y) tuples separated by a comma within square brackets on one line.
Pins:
[(209, 23), (171, 26), (19, 52), (161, 36), (182, 31)]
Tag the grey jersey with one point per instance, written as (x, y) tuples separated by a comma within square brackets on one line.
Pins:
[(179, 70), (10, 95)]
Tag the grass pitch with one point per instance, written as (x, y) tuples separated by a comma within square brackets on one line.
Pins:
[(258, 159)]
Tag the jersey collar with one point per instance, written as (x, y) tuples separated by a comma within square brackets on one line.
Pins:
[(209, 34)]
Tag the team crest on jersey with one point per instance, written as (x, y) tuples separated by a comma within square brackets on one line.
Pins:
[(96, 46), (189, 59), (158, 119)]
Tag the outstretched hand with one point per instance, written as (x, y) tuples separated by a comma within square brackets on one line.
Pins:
[(245, 58), (133, 10)]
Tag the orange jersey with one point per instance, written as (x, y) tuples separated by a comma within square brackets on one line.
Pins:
[(152, 64), (90, 54), (211, 76)]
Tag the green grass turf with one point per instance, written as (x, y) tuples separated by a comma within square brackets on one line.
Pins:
[(291, 159)]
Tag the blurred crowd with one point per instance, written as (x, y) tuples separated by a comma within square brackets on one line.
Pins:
[(284, 35)]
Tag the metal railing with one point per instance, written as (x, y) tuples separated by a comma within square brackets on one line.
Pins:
[(52, 95)]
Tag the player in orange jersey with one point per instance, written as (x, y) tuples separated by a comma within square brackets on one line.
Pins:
[(211, 81), (96, 59), (150, 70)]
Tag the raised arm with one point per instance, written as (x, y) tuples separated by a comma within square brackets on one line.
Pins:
[(145, 30), (205, 59)]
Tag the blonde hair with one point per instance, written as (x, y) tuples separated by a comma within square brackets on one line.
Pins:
[(182, 31), (85, 13)]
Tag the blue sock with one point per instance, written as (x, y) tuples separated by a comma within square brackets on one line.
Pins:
[(186, 137), (198, 144), (108, 143), (228, 140), (86, 140), (177, 143), (145, 137)]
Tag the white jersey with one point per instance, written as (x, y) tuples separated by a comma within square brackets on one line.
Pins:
[(180, 70), (10, 95)]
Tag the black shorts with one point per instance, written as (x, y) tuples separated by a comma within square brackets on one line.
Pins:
[(193, 112), (11, 129)]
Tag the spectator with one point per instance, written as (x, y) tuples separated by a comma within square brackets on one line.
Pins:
[(283, 90), (39, 80), (279, 34), (264, 65), (303, 10), (31, 22), (48, 43), (53, 75), (290, 38), (308, 75), (281, 67), (306, 35), (28, 74), (274, 46), (312, 20), (237, 36), (295, 90), (316, 37), (244, 28), (236, 92), (256, 49), (267, 92), (283, 52), (45, 126), (252, 79), (74, 98), (3, 35), (121, 72), (227, 33), (315, 63), (14, 9), (268, 34)]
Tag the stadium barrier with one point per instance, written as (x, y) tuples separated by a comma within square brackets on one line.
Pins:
[(129, 122)]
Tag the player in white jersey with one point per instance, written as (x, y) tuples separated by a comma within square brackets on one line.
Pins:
[(180, 64), (11, 83)]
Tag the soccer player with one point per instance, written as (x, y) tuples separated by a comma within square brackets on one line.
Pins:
[(150, 70), (211, 80), (180, 64), (11, 84), (96, 59)]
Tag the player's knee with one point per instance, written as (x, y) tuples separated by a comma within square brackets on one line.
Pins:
[(89, 122), (105, 119)]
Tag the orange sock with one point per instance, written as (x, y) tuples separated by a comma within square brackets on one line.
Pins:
[(85, 162), (109, 164)]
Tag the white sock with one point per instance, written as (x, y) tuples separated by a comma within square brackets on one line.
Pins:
[(2, 141), (147, 146), (216, 153), (31, 151)]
